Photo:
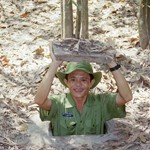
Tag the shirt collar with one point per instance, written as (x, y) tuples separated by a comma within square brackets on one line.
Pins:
[(69, 102)]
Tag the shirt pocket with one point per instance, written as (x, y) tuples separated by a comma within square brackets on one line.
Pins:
[(90, 126), (68, 124)]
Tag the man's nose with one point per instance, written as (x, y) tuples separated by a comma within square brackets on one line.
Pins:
[(78, 82)]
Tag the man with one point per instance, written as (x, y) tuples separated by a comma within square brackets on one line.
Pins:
[(81, 112)]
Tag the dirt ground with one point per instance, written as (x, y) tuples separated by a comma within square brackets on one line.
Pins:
[(26, 27)]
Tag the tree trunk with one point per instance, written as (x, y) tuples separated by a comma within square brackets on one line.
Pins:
[(61, 18), (84, 20), (144, 23), (81, 19), (67, 19), (78, 20)]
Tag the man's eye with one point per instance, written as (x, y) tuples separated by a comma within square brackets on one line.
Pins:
[(72, 79), (84, 80)]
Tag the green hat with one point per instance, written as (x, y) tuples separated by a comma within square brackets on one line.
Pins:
[(84, 66)]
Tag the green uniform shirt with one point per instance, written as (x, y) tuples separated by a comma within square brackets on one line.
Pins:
[(67, 120)]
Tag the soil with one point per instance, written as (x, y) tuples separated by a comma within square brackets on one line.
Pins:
[(26, 28)]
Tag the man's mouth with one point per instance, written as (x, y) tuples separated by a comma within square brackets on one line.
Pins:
[(78, 90)]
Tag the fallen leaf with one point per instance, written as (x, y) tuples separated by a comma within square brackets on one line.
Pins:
[(4, 60), (23, 127), (133, 39), (3, 27), (142, 137), (24, 15), (39, 51), (41, 1)]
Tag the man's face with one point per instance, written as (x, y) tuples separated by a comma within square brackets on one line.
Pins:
[(79, 83)]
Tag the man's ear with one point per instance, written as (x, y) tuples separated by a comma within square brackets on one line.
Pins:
[(92, 82)]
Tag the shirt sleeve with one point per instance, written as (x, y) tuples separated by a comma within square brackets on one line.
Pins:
[(110, 109), (47, 115)]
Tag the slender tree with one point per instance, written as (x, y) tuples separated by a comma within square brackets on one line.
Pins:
[(144, 23), (78, 20), (84, 19), (66, 18), (81, 22)]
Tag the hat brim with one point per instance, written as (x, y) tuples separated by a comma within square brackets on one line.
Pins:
[(97, 76)]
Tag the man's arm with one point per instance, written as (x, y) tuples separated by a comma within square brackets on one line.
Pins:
[(124, 91), (43, 90)]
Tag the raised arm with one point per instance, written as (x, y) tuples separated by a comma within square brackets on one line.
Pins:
[(43, 90), (124, 91)]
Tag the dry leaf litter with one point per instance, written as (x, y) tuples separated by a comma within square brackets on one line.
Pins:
[(25, 30)]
